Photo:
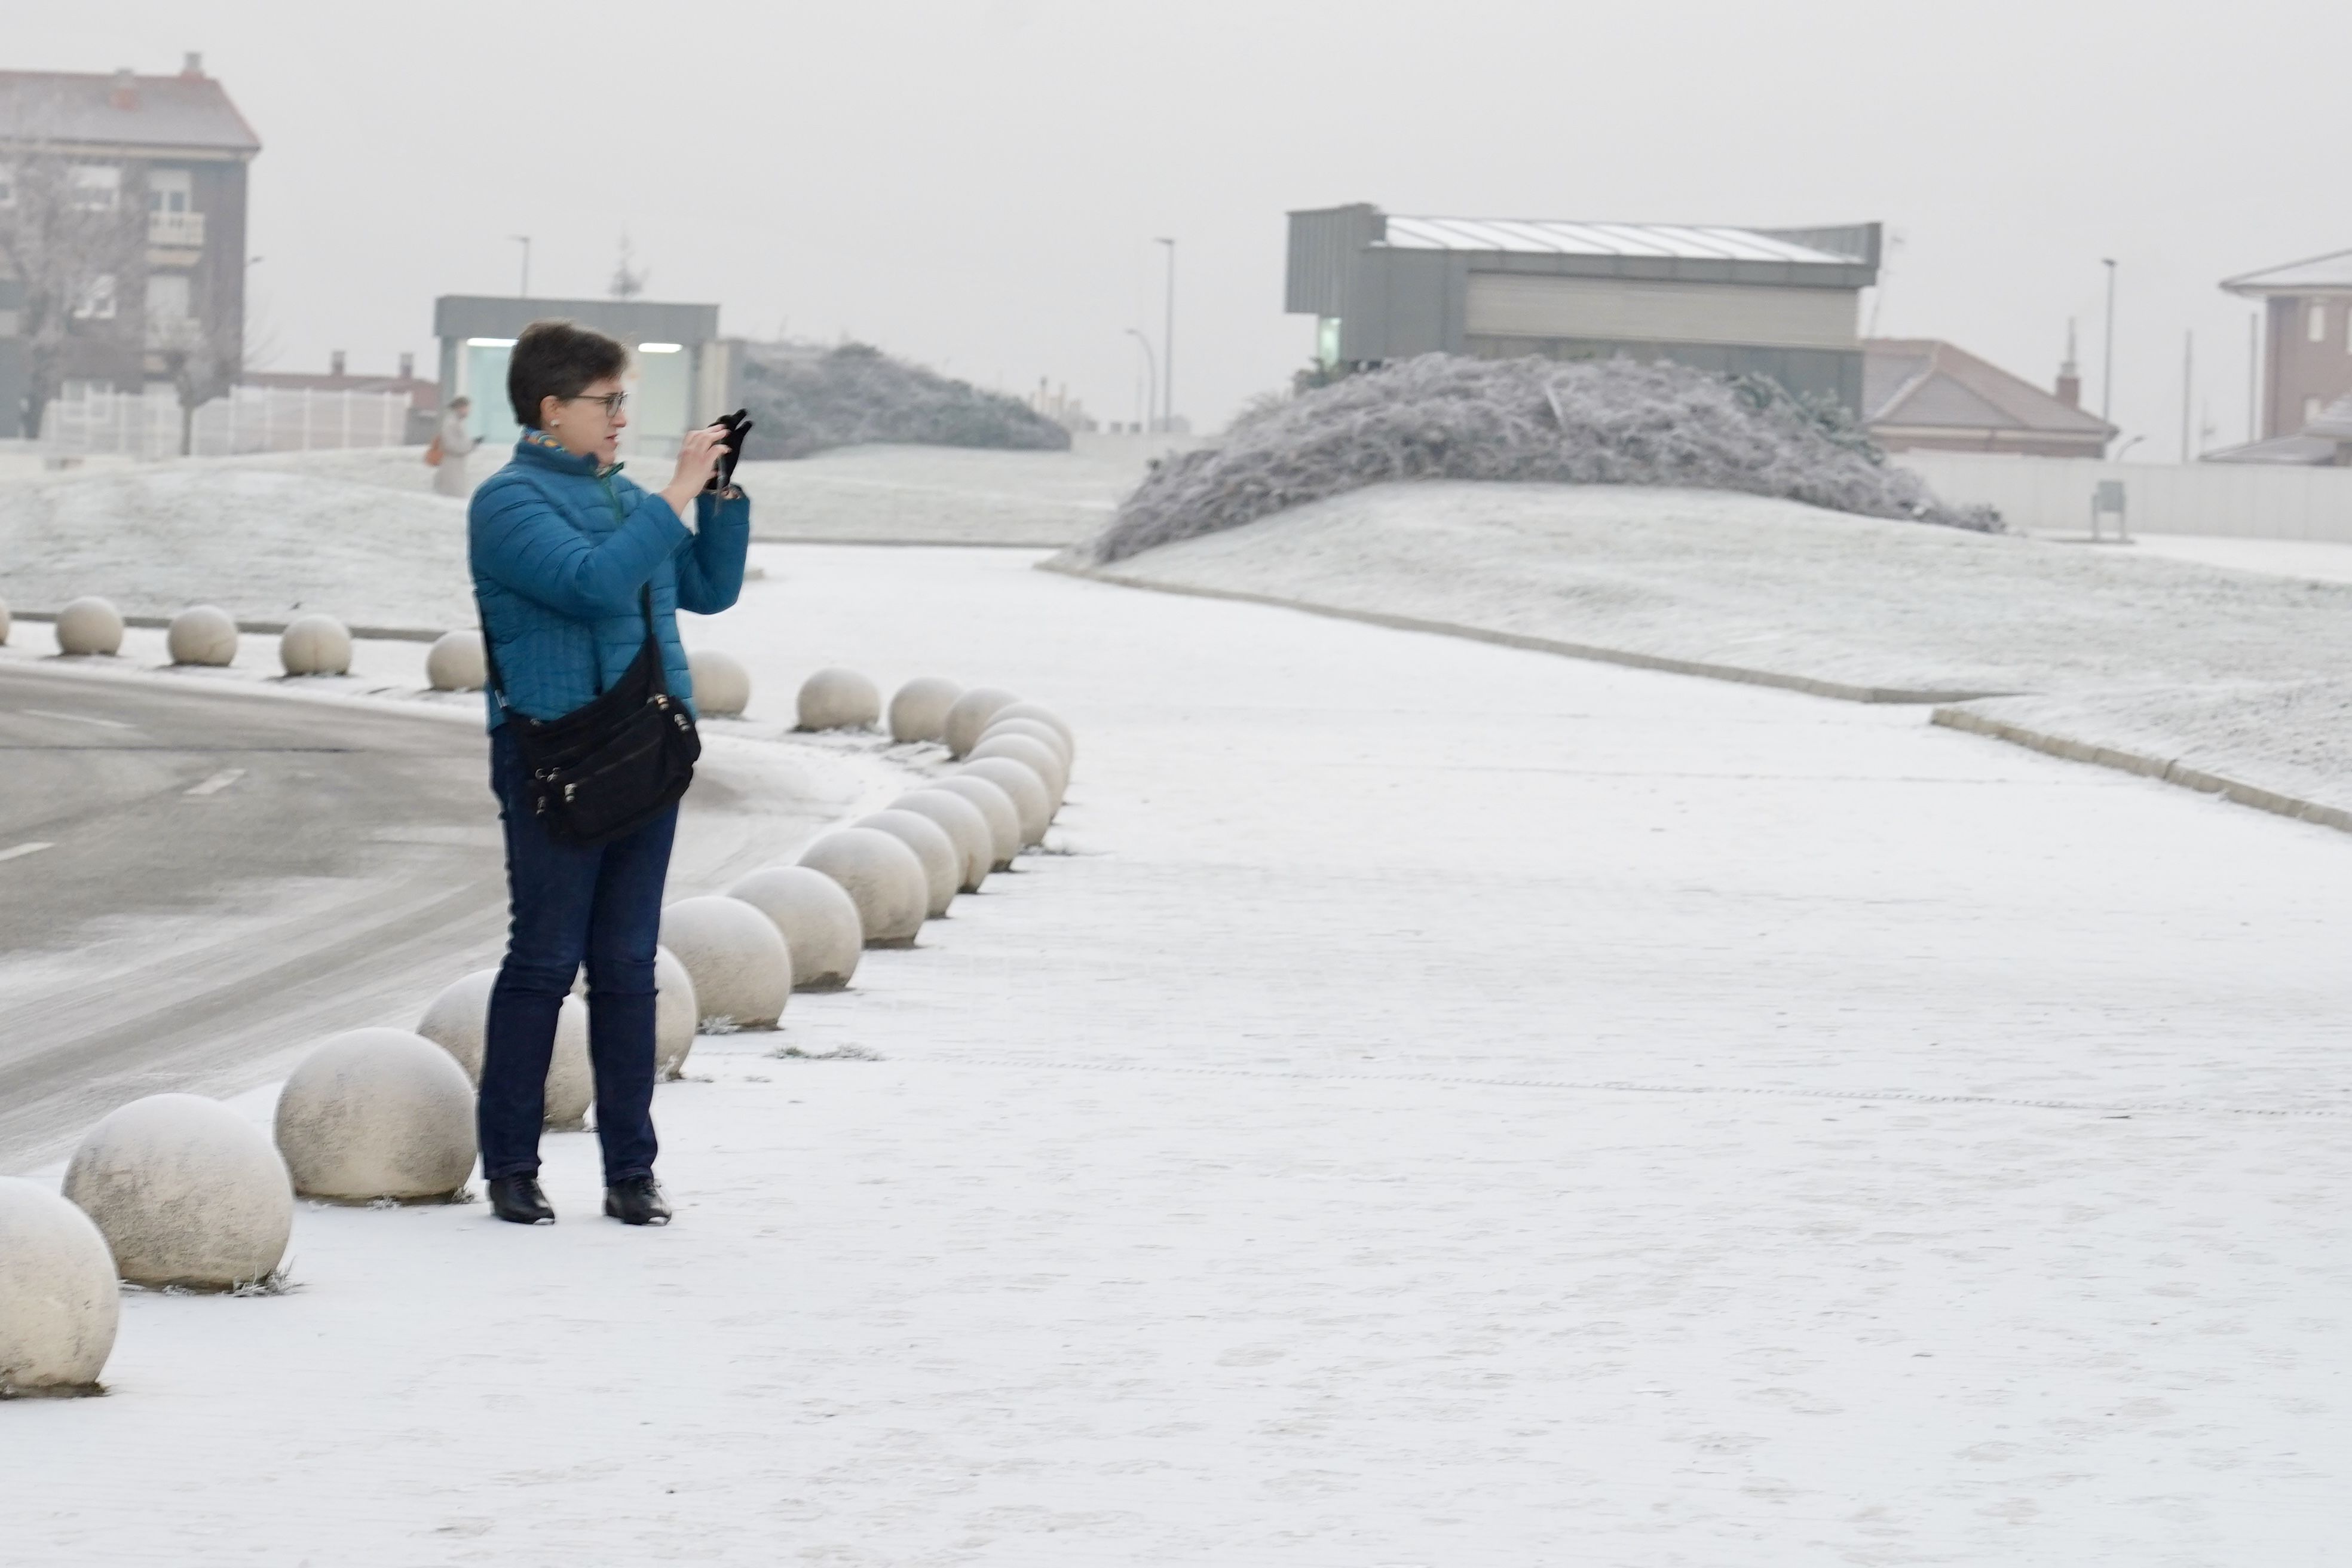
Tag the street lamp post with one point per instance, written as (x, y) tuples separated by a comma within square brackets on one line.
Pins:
[(1150, 379), (2107, 376), (523, 240), (1168, 347)]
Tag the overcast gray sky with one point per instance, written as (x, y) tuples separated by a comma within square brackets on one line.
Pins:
[(976, 184)]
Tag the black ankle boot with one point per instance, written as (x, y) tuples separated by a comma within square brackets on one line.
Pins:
[(636, 1200), (519, 1201)]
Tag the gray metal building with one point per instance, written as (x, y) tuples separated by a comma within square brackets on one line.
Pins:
[(1783, 302), (678, 373)]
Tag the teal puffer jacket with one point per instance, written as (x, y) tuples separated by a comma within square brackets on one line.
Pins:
[(559, 551)]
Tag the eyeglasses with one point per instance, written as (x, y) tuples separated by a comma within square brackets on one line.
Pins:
[(614, 401)]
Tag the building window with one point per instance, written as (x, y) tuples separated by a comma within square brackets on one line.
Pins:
[(7, 186), (96, 301), (2310, 410), (2318, 324), (97, 188), (168, 191)]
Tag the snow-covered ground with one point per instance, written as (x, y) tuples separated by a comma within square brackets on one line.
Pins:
[(2309, 557), (1443, 1105), (1714, 578), (261, 542), (360, 534)]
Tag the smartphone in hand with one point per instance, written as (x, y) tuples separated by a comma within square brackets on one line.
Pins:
[(737, 425)]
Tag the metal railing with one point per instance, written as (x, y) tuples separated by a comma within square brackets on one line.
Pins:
[(180, 230), (247, 419)]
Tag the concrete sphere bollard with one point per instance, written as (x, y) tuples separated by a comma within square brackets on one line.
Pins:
[(377, 1113), (1039, 756), (743, 971), (942, 862), (186, 1192), (839, 700), (722, 686), (1044, 715), (818, 919), (995, 808), (677, 1014), (1045, 734), (456, 664), (919, 710), (90, 625), (1026, 748), (1030, 796), (882, 877), (965, 827), (202, 634), (60, 1300), (970, 715), (315, 645), (457, 1021)]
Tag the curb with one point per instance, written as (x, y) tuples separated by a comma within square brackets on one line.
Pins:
[(913, 543), (1811, 686), (2172, 772), (260, 628)]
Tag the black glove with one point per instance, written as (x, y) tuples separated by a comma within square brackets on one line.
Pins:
[(737, 425)]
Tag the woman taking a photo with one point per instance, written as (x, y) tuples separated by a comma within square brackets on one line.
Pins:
[(575, 567)]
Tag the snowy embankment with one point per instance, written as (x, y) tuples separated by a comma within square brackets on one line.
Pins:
[(1446, 1106), (360, 535), (261, 542), (2183, 657)]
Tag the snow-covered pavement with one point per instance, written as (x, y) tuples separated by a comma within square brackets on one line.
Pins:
[(1449, 1105)]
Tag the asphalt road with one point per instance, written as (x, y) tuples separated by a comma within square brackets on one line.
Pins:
[(195, 881)]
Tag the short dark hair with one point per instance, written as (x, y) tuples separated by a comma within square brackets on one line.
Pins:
[(557, 359)]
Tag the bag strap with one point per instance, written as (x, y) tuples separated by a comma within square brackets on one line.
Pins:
[(652, 646)]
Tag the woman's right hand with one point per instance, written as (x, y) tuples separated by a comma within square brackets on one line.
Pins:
[(697, 462), (697, 455)]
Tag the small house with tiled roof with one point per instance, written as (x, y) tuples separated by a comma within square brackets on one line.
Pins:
[(1924, 395)]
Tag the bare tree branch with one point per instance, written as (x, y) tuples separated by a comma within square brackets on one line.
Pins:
[(67, 237)]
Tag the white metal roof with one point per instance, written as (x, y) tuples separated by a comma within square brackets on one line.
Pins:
[(1690, 242), (2320, 272)]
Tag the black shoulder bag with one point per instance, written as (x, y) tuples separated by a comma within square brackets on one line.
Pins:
[(612, 765)]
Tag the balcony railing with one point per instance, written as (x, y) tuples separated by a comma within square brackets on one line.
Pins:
[(185, 230)]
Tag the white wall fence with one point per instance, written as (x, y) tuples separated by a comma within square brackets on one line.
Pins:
[(2052, 495), (248, 419)]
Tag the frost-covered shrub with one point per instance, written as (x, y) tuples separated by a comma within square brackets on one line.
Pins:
[(1443, 416), (806, 399)]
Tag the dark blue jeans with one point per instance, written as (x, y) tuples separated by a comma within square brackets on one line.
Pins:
[(570, 906)]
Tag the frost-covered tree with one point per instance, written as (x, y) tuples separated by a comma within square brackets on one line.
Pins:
[(1443, 416), (203, 360), (66, 239)]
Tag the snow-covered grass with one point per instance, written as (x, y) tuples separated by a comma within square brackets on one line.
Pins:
[(360, 535), (263, 542), (939, 495), (1452, 1105), (1441, 417), (1772, 585)]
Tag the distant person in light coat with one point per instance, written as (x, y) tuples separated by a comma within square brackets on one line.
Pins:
[(449, 474)]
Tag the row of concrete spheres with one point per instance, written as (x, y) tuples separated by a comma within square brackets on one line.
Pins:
[(207, 635), (176, 1191)]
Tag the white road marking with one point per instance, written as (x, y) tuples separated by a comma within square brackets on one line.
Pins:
[(19, 850), (218, 782), (75, 718)]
